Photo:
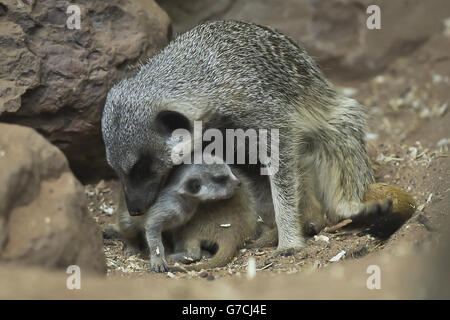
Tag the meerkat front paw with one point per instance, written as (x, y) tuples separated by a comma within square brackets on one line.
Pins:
[(159, 265)]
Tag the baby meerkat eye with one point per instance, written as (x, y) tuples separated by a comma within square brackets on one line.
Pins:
[(193, 186), (220, 179)]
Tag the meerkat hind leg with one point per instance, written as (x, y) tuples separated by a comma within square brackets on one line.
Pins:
[(380, 217), (377, 217)]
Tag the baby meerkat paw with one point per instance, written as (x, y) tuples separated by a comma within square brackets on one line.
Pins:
[(131, 251), (159, 265), (286, 252), (380, 219), (185, 257), (111, 233)]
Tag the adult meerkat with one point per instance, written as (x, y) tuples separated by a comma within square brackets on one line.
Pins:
[(231, 74), (201, 207)]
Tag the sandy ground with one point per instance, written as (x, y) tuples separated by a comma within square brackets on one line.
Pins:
[(409, 135)]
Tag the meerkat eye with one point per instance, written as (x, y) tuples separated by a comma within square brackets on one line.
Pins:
[(142, 169), (193, 186), (220, 179), (168, 121)]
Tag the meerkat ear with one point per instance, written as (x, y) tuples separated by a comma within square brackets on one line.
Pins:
[(167, 121)]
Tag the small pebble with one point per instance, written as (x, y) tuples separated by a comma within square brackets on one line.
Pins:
[(338, 256)]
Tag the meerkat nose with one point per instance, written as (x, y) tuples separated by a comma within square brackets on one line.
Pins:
[(236, 182), (136, 213)]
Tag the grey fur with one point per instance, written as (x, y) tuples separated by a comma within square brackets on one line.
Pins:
[(241, 75), (175, 206)]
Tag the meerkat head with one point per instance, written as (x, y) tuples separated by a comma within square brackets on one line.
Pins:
[(138, 143), (207, 182)]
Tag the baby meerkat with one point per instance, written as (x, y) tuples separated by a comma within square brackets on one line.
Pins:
[(221, 226), (191, 188)]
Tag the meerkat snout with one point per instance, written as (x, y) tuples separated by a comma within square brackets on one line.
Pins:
[(236, 182), (224, 179)]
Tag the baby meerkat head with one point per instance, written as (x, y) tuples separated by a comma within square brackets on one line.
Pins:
[(207, 182)]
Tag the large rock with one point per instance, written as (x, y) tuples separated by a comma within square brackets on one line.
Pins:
[(43, 212), (55, 79), (334, 32)]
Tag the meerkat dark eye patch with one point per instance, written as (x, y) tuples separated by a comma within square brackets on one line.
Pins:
[(220, 179), (142, 169), (168, 121), (193, 186)]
